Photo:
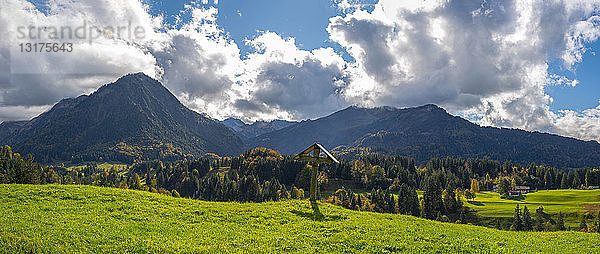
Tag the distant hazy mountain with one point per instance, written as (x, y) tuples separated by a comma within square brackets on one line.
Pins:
[(234, 124), (247, 131), (135, 117), (425, 132)]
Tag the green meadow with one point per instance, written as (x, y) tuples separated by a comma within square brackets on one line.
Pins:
[(77, 219), (570, 202), (105, 166)]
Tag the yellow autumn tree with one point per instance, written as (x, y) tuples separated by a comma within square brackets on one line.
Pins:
[(474, 186)]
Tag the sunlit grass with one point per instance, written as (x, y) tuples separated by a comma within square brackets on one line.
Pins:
[(67, 219), (106, 166), (489, 204)]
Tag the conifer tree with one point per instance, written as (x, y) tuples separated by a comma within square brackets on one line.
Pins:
[(391, 203), (563, 182), (408, 201), (560, 222), (539, 219), (576, 182), (527, 222), (432, 198), (517, 224), (570, 178), (548, 183)]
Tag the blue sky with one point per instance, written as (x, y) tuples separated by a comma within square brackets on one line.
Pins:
[(305, 20), (587, 93)]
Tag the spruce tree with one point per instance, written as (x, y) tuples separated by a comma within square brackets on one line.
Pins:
[(527, 222), (570, 177), (587, 179), (517, 224), (412, 203), (391, 203), (548, 180), (135, 182), (576, 182), (403, 199), (432, 198), (539, 219), (560, 222), (563, 182)]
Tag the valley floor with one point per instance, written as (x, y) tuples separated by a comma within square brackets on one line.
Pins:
[(572, 203), (70, 219)]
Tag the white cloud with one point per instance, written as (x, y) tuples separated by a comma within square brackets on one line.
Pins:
[(11, 113), (42, 79), (584, 125), (485, 59), (197, 61), (579, 34), (296, 83)]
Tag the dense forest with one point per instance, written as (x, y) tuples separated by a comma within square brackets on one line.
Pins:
[(386, 184)]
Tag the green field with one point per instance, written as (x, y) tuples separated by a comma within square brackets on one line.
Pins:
[(67, 219), (569, 202), (106, 166)]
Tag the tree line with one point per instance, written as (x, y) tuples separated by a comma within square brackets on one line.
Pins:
[(263, 174)]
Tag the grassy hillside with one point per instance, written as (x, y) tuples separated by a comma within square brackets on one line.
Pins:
[(569, 202), (66, 219)]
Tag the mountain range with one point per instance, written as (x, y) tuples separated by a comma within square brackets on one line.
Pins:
[(247, 131), (137, 118), (426, 132)]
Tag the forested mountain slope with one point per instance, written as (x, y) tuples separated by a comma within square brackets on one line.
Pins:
[(426, 132), (135, 117)]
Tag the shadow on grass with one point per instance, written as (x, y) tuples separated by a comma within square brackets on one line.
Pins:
[(316, 214), (318, 217), (476, 203)]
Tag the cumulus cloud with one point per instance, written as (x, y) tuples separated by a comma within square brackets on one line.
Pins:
[(484, 59), (196, 60), (34, 80), (584, 125), (297, 82), (15, 113)]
